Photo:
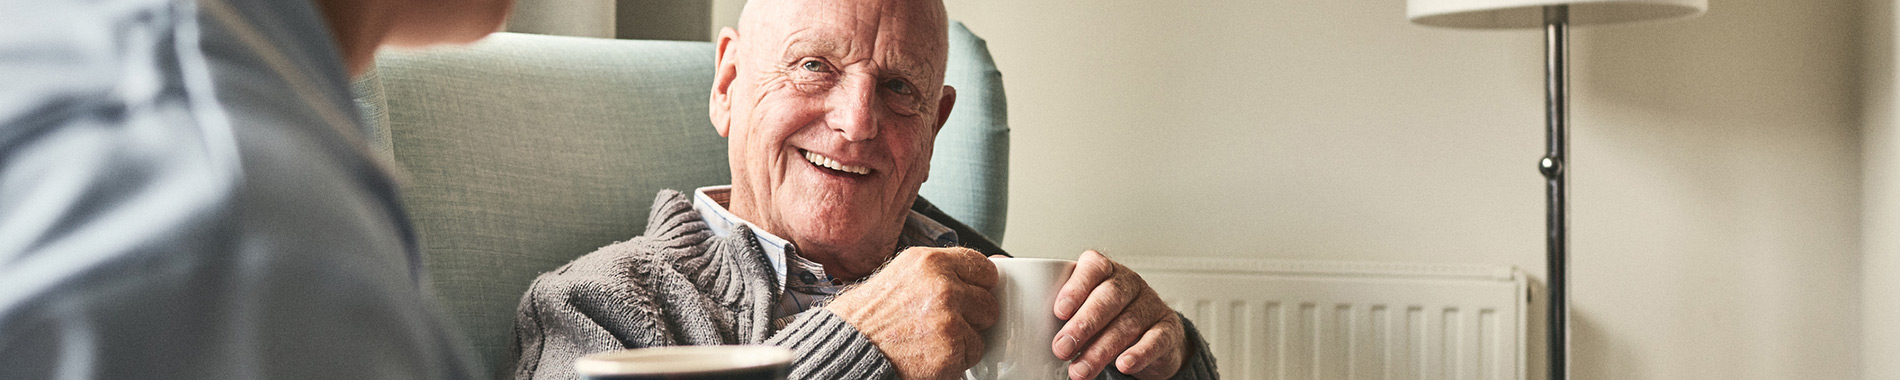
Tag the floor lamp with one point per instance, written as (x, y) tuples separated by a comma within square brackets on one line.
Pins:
[(1556, 17)]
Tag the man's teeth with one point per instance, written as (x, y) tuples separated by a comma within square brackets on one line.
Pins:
[(834, 165)]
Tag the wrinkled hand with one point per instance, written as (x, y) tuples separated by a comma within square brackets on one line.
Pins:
[(1114, 316), (924, 310)]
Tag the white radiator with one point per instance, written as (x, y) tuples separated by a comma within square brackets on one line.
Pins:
[(1285, 320)]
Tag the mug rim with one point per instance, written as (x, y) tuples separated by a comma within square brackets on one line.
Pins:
[(699, 359)]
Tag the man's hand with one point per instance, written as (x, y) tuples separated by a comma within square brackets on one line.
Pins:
[(924, 310), (1114, 316)]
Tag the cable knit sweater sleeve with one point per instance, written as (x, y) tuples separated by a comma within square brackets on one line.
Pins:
[(825, 347), (676, 284)]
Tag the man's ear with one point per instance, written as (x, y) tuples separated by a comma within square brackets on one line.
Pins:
[(943, 106), (725, 70)]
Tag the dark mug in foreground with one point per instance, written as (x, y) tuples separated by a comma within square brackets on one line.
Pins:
[(688, 363)]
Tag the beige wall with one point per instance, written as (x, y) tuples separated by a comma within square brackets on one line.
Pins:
[(683, 20), (587, 18), (1715, 180), (725, 14), (1737, 140), (1880, 215), (1716, 169)]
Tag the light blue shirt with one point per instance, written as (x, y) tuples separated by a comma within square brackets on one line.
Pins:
[(804, 282), (185, 193)]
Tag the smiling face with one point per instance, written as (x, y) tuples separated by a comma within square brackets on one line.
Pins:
[(831, 108)]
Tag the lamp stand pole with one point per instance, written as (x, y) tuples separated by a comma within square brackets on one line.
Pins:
[(1557, 121)]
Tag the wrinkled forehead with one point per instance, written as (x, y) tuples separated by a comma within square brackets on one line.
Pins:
[(902, 35)]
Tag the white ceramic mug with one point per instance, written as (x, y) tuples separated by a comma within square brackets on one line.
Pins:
[(1018, 346)]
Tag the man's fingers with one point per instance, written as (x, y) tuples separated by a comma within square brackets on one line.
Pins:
[(1156, 355), (982, 271), (925, 309), (975, 306), (978, 307), (1090, 270), (971, 343), (1115, 339), (968, 265), (1106, 303)]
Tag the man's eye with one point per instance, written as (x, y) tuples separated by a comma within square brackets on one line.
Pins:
[(897, 86), (815, 66)]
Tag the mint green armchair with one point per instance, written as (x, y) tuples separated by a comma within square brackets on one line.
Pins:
[(522, 152)]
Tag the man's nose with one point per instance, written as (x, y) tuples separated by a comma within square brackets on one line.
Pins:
[(852, 112)]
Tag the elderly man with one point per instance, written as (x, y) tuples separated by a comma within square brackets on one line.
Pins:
[(185, 192), (831, 108)]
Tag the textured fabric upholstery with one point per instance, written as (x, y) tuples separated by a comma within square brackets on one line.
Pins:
[(969, 173), (523, 152)]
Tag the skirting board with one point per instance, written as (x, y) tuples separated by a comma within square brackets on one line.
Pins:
[(1283, 320)]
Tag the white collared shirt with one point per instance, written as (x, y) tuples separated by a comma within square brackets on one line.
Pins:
[(804, 282)]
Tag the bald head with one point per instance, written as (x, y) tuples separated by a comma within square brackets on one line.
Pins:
[(778, 10), (767, 23), (831, 108), (758, 13)]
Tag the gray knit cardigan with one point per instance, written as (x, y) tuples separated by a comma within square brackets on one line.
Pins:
[(678, 284)]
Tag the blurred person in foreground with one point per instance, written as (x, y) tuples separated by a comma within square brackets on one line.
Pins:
[(185, 192), (821, 243)]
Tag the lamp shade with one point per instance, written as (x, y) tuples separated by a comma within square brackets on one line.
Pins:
[(1498, 14)]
